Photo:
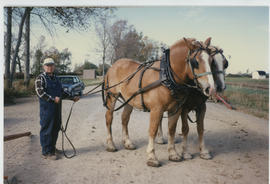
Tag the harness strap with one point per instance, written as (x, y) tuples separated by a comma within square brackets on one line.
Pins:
[(191, 119), (140, 85), (203, 74), (141, 90)]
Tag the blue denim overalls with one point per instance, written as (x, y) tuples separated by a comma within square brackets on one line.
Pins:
[(50, 115)]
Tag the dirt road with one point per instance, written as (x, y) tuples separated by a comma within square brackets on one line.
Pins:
[(238, 142)]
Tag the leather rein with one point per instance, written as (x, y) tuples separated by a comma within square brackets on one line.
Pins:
[(166, 78)]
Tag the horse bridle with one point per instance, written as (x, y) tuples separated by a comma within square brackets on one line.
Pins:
[(218, 51), (192, 62)]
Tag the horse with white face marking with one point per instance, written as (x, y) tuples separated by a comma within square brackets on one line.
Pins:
[(159, 99), (196, 101), (219, 65)]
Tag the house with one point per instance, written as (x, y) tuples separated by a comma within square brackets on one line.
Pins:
[(89, 74), (259, 75)]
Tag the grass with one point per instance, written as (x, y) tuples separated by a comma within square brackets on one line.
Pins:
[(249, 99), (247, 80), (91, 82), (18, 91)]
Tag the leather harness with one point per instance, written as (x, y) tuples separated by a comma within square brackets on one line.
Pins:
[(166, 79)]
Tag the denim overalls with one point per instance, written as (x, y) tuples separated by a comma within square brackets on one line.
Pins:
[(50, 115)]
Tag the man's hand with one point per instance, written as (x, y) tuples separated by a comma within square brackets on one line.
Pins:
[(56, 99), (76, 98)]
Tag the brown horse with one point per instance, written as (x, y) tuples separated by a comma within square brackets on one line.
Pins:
[(196, 101), (159, 99)]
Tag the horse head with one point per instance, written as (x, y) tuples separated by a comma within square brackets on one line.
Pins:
[(218, 65), (199, 68)]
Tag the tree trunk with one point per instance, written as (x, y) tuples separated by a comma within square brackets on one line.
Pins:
[(103, 62), (13, 64), (27, 50), (8, 47), (19, 64)]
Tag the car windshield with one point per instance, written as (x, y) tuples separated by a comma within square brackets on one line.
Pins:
[(67, 80)]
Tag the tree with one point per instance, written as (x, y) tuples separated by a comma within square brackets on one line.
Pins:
[(38, 56), (127, 42), (8, 47), (76, 18), (62, 59), (86, 66), (37, 66), (13, 64), (117, 31), (65, 61), (102, 29), (100, 68), (27, 50)]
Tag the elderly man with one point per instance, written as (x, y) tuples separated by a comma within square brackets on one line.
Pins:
[(50, 93)]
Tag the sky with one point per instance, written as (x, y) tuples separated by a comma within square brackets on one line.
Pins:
[(242, 32)]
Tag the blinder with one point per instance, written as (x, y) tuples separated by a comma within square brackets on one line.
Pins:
[(194, 63), (226, 64), (213, 67)]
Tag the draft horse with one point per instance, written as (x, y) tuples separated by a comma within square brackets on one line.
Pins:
[(196, 101), (187, 60)]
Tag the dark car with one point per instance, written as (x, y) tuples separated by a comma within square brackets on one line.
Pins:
[(72, 85)]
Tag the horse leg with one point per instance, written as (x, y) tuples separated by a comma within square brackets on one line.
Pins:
[(125, 119), (204, 153), (155, 118), (172, 122), (185, 130), (109, 118), (159, 138)]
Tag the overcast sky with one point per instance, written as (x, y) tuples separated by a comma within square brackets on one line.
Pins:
[(242, 32)]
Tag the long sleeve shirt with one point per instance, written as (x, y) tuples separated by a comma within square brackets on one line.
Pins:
[(40, 85)]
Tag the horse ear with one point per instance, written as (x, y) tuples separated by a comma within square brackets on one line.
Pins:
[(197, 44), (207, 42), (190, 43)]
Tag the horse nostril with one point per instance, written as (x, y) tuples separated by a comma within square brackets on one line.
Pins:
[(207, 90)]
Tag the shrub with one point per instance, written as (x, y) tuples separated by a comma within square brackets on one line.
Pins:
[(18, 90)]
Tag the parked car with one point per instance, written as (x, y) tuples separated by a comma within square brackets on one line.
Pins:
[(72, 85)]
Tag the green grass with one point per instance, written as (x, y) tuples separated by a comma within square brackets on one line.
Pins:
[(91, 82), (250, 100), (247, 80)]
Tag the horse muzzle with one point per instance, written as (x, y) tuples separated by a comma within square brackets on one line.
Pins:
[(208, 91)]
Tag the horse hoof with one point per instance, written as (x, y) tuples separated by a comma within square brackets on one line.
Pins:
[(160, 141), (153, 163), (205, 156), (111, 149), (130, 146), (175, 158), (187, 156)]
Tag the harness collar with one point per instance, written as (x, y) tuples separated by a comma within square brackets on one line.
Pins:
[(168, 79)]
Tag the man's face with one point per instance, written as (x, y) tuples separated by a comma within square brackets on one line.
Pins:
[(49, 68)]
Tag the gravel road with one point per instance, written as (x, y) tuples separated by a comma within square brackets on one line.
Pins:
[(238, 142)]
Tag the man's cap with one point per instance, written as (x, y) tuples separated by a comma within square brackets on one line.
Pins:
[(48, 61)]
